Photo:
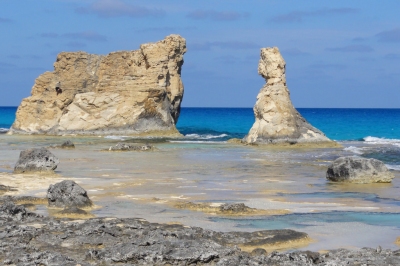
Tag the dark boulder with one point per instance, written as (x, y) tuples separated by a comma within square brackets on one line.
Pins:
[(36, 160), (67, 194), (358, 170), (68, 145)]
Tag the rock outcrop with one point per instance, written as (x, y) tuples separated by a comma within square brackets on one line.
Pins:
[(36, 160), (277, 121), (68, 194), (358, 170), (125, 92)]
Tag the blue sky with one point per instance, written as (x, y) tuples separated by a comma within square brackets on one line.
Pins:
[(338, 53)]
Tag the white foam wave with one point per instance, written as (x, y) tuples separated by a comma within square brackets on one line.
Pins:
[(116, 137), (207, 136), (4, 130), (354, 150), (393, 167), (375, 140), (195, 141)]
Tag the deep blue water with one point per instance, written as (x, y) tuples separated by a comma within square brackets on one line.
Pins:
[(225, 123), (337, 124)]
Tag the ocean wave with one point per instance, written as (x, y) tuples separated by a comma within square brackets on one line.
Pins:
[(116, 137), (206, 136), (375, 140), (393, 167), (195, 141), (354, 150), (4, 130)]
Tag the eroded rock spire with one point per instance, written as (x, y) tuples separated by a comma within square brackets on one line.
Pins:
[(277, 121)]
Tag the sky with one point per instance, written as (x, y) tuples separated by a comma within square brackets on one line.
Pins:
[(339, 54)]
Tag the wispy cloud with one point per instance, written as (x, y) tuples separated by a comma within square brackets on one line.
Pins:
[(5, 20), (298, 16), (323, 65), (164, 29), (83, 35), (293, 52), (86, 35), (6, 65), (359, 39), (352, 49), (118, 8), (76, 45), (389, 36), (227, 59), (216, 15), (49, 35), (392, 56), (233, 45), (14, 56)]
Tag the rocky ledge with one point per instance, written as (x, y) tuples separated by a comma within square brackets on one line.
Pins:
[(127, 92), (27, 238), (276, 119)]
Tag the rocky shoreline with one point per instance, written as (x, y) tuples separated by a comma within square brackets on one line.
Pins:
[(31, 239)]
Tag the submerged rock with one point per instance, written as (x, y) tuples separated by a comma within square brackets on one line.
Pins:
[(36, 160), (67, 194), (277, 121), (127, 92), (358, 170), (120, 146), (68, 145)]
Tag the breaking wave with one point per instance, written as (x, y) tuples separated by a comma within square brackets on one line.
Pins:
[(205, 136), (375, 140)]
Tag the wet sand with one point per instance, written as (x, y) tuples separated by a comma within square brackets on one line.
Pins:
[(150, 184)]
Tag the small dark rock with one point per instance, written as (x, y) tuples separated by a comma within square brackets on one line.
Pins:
[(68, 145), (36, 160), (358, 170), (67, 194), (233, 207), (259, 252)]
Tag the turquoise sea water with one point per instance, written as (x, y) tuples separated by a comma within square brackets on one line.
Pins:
[(201, 163), (379, 128)]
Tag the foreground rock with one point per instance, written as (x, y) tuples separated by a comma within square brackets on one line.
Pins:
[(126, 92), (36, 160), (67, 194), (277, 121), (31, 239), (358, 170), (120, 146)]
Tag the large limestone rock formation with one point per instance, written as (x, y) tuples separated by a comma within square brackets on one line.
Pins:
[(126, 92), (277, 121)]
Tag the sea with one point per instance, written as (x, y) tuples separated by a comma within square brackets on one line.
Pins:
[(203, 167)]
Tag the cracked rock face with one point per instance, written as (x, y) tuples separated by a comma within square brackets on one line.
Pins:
[(125, 92), (36, 160), (277, 121)]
